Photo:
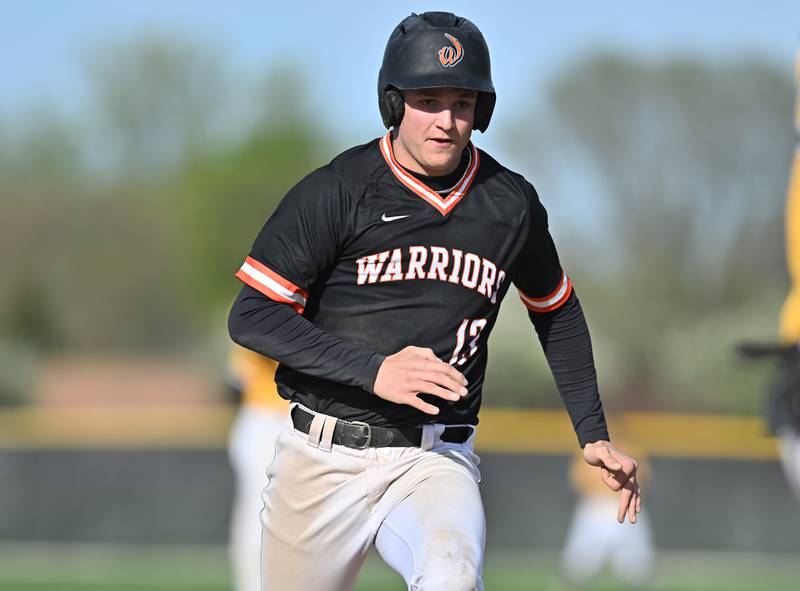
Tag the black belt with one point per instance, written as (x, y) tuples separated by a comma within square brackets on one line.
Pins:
[(361, 436)]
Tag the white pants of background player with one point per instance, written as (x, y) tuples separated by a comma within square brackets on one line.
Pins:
[(789, 447), (596, 539), (326, 505), (251, 448)]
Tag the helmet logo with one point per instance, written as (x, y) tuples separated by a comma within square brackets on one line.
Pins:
[(450, 56)]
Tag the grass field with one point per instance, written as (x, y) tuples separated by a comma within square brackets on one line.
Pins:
[(55, 567)]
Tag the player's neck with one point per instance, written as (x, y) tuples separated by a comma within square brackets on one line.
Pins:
[(446, 182)]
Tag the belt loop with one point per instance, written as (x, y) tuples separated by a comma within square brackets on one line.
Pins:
[(326, 440), (428, 437), (438, 430), (315, 431)]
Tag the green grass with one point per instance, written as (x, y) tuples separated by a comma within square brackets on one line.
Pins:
[(39, 567)]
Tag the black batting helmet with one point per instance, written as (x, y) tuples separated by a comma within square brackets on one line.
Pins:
[(435, 50)]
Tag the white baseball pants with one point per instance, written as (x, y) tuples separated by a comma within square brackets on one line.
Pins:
[(789, 449), (326, 504), (251, 448), (595, 540)]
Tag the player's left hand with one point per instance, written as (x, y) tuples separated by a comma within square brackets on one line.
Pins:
[(618, 471)]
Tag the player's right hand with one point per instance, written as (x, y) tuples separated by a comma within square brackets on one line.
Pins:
[(413, 371)]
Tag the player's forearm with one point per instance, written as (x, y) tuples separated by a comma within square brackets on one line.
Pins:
[(568, 348), (279, 332)]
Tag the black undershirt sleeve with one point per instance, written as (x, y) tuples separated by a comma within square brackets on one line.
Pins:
[(568, 348), (277, 331)]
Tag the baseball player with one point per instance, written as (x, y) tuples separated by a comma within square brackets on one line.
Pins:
[(783, 408), (251, 447), (785, 393), (375, 284), (594, 541)]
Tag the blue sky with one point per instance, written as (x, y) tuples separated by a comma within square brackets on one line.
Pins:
[(339, 44)]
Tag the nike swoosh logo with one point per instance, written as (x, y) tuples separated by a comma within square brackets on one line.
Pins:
[(391, 218)]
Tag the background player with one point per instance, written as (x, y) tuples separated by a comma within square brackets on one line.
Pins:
[(784, 392), (261, 416), (594, 541), (376, 284), (785, 395)]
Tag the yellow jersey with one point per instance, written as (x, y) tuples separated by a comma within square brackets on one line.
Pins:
[(256, 374), (790, 314)]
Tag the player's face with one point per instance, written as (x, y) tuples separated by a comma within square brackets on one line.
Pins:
[(436, 126)]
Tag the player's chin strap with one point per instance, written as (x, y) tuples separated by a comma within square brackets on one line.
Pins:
[(358, 435)]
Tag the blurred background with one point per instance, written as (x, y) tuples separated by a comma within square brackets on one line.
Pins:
[(143, 145)]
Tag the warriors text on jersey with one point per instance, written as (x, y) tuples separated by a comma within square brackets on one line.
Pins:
[(384, 258)]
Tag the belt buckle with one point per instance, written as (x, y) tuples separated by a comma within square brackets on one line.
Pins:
[(369, 433)]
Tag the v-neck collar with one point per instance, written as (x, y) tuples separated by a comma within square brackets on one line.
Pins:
[(443, 204)]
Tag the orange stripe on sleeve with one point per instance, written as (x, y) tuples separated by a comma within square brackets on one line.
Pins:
[(275, 277), (550, 302), (262, 278)]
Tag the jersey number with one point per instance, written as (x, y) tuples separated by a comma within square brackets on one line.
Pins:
[(474, 327)]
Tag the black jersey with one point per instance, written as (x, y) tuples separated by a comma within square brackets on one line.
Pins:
[(370, 253)]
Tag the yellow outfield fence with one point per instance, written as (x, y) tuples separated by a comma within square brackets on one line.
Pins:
[(502, 430), (658, 434)]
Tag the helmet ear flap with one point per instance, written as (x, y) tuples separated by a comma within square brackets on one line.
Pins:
[(484, 107), (392, 106)]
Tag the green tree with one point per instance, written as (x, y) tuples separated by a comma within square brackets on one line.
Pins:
[(159, 100), (223, 199), (690, 161), (41, 151)]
